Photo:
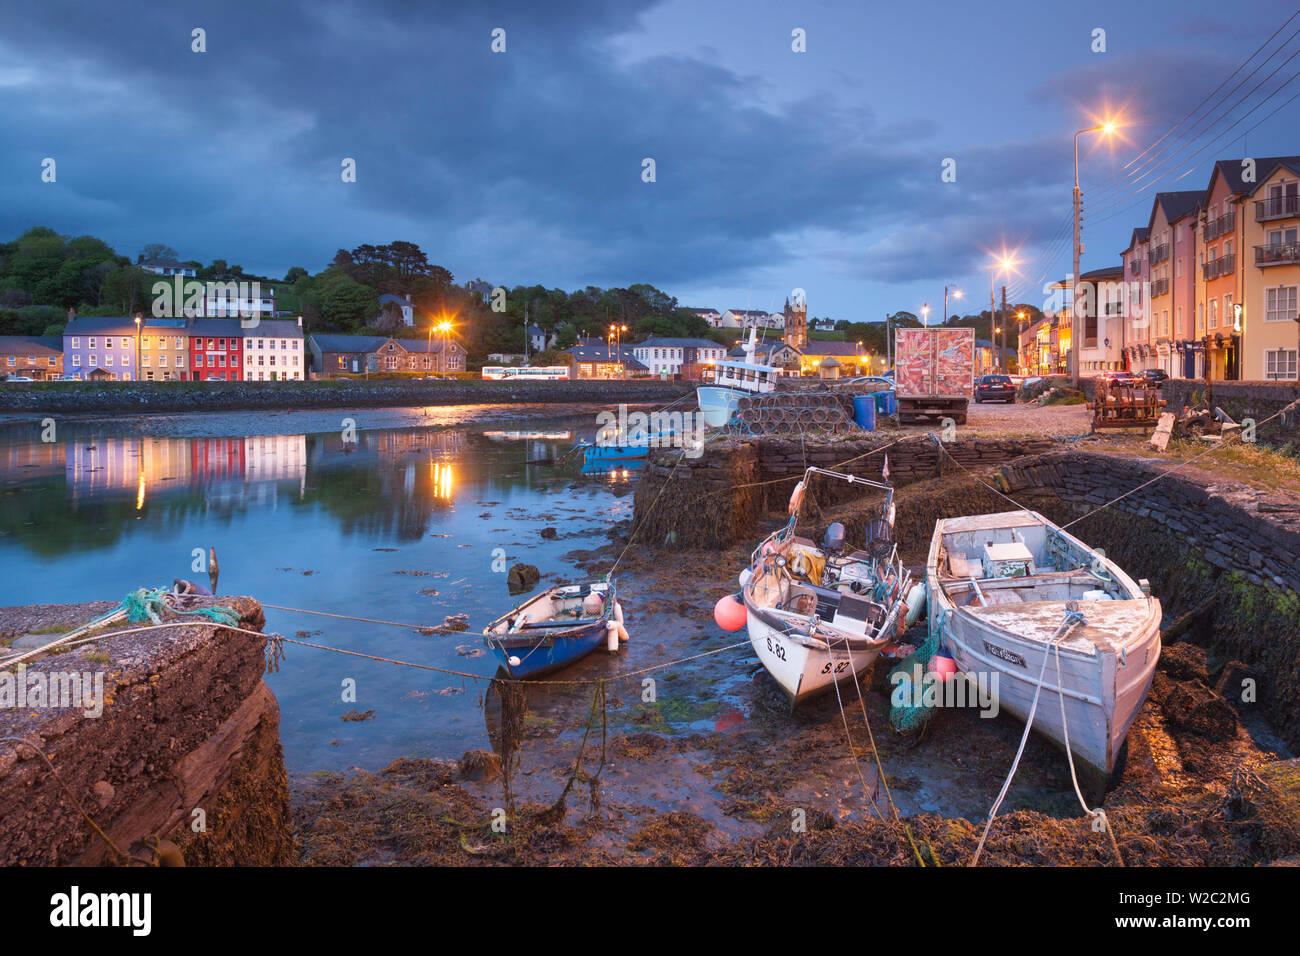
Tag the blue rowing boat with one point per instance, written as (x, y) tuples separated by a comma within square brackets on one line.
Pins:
[(554, 629)]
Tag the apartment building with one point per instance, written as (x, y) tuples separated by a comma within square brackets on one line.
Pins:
[(1223, 269)]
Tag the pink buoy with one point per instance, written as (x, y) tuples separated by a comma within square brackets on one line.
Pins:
[(943, 666), (729, 613)]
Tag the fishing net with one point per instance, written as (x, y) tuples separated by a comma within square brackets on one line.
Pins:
[(908, 712)]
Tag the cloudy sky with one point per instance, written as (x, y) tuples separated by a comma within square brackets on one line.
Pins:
[(774, 169)]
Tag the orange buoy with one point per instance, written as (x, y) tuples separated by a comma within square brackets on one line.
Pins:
[(729, 613)]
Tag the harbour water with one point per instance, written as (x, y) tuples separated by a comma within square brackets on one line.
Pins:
[(409, 524)]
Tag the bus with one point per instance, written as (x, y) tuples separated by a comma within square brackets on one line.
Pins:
[(546, 373)]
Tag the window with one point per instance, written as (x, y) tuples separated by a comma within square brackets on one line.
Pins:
[(221, 343), (13, 360), (90, 343), (162, 341), (179, 342), (93, 360), (1214, 314), (108, 360), (146, 342), (162, 361), (1228, 315), (1280, 363), (76, 360), (126, 343), (1280, 304), (144, 361), (76, 342), (212, 361)]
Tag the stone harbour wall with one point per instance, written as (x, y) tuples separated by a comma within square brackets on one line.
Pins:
[(91, 397), (188, 724)]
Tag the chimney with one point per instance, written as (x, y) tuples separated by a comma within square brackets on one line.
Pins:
[(300, 321), (72, 314)]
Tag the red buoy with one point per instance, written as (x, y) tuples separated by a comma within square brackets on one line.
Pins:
[(729, 613), (942, 665)]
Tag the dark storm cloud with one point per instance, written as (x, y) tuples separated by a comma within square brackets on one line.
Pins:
[(526, 166)]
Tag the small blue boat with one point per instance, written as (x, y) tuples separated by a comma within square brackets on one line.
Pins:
[(553, 629), (619, 447)]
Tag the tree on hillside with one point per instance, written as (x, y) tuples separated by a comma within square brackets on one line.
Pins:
[(156, 250)]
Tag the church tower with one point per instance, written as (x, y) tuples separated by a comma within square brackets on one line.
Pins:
[(796, 324)]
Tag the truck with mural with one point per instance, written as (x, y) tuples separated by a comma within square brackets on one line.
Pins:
[(934, 373)]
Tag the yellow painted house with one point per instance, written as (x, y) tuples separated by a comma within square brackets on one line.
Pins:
[(1271, 250)]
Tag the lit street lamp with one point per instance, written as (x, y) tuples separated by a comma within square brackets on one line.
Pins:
[(1107, 128), (1004, 265), (956, 294), (138, 320)]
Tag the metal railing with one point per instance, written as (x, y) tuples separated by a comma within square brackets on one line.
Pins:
[(1277, 255), (1221, 226), (1279, 207), (1222, 266)]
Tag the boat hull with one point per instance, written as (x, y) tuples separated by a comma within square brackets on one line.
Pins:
[(538, 658), (802, 667), (718, 404), (593, 454), (1105, 664)]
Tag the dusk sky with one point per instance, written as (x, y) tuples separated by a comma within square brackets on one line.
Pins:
[(774, 169)]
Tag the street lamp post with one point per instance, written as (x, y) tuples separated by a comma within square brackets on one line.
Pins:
[(956, 294), (1106, 128), (139, 319)]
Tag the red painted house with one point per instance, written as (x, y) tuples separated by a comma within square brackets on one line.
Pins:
[(216, 350)]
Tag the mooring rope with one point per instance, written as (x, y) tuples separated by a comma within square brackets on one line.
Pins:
[(1071, 618)]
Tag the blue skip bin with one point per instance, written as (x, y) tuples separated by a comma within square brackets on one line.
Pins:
[(864, 412), (885, 402)]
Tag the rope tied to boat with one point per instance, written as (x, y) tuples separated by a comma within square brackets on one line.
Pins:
[(1072, 618)]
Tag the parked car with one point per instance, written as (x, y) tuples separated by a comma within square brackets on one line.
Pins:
[(1116, 375), (19, 378), (1155, 375), (995, 388)]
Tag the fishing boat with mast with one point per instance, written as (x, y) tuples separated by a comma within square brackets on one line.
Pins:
[(820, 615), (1072, 639), (731, 381)]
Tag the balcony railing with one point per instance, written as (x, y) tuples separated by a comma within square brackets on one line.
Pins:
[(1222, 266), (1220, 227), (1277, 255), (1281, 207), (1159, 287), (1159, 254)]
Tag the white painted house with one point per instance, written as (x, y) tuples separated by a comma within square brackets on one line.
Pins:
[(751, 318), (669, 355), (274, 351)]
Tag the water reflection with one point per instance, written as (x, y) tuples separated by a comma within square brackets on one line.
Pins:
[(399, 524)]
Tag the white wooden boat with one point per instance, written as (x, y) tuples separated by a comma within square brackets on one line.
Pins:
[(818, 616), (1000, 587)]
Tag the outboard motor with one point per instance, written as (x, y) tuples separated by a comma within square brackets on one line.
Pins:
[(833, 543), (880, 538)]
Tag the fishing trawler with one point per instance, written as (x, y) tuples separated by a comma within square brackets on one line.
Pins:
[(731, 381)]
